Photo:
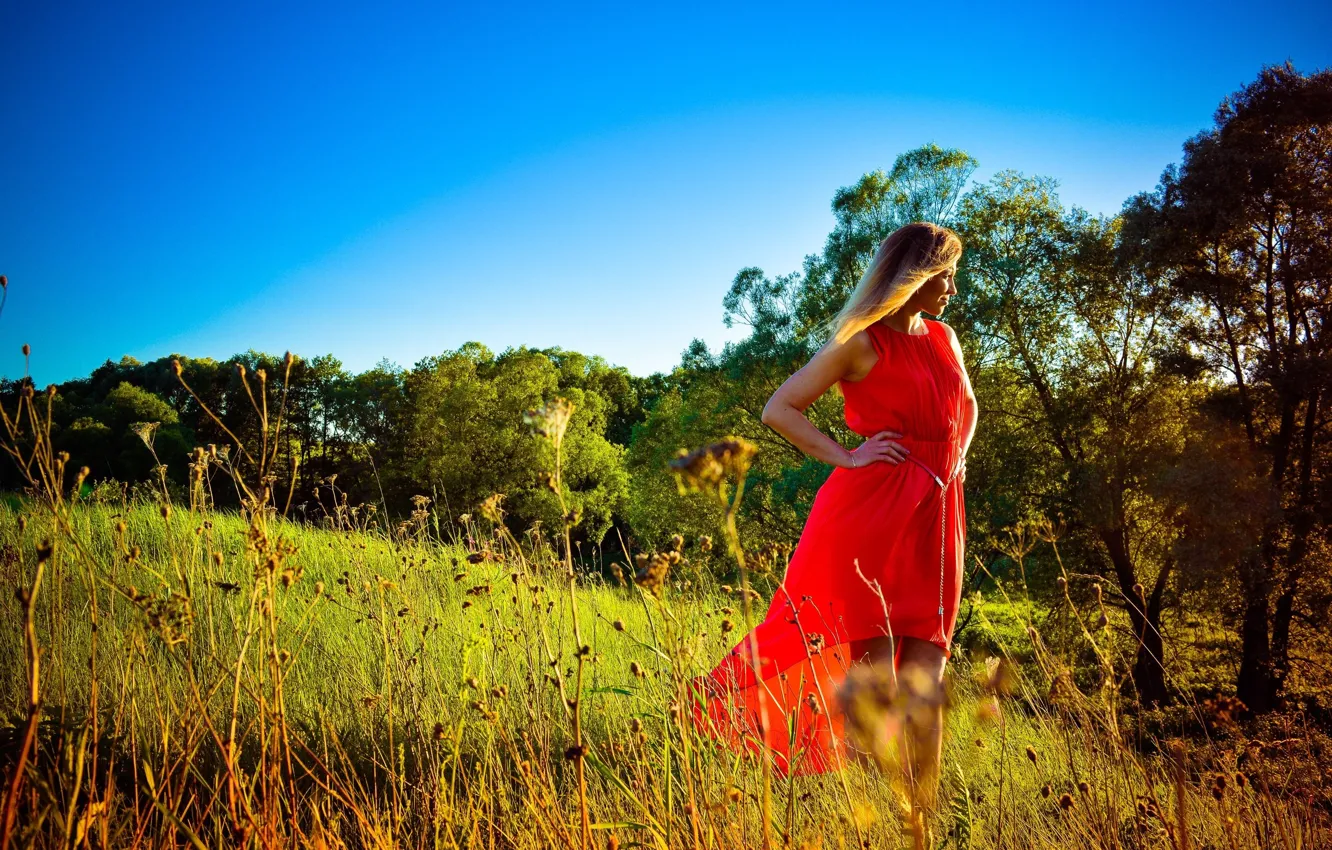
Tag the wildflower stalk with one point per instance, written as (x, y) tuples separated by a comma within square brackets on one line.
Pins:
[(28, 598), (707, 470), (552, 421)]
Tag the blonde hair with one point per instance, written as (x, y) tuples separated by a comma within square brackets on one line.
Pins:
[(911, 255)]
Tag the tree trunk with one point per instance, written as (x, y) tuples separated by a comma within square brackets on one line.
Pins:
[(1301, 527), (1254, 685), (1281, 617), (1148, 674)]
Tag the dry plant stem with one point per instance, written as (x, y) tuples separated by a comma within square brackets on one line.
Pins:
[(34, 708), (206, 409), (578, 640), (733, 540)]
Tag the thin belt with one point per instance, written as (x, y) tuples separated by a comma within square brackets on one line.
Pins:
[(943, 529)]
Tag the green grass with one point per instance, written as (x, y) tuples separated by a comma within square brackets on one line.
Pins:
[(356, 723)]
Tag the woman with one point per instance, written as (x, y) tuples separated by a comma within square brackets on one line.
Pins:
[(876, 575)]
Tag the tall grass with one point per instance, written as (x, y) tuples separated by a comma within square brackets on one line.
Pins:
[(181, 676)]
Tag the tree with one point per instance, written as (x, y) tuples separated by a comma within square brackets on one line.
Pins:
[(466, 436), (1062, 305), (925, 184), (1245, 223)]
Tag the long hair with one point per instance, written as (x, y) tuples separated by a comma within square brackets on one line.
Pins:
[(911, 255)]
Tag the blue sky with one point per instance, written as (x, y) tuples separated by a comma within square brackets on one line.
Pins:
[(390, 181)]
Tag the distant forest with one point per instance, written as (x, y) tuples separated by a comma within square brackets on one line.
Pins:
[(1156, 382)]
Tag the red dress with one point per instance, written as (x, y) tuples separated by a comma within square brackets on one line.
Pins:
[(892, 520)]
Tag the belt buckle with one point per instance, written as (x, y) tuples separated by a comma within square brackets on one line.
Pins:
[(937, 479)]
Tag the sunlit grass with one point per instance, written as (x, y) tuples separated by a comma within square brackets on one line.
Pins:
[(179, 675)]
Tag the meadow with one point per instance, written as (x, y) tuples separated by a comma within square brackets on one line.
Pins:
[(267, 602), (183, 676)]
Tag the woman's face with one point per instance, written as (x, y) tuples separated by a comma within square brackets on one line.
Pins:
[(934, 293)]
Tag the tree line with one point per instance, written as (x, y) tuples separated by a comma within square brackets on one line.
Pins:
[(1154, 381)]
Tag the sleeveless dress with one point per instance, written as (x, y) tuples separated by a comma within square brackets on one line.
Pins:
[(904, 526)]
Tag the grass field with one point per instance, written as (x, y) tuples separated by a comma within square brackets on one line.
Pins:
[(211, 681)]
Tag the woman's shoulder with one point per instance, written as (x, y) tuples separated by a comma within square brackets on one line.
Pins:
[(863, 351), (940, 327)]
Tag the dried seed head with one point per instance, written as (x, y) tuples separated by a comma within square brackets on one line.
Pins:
[(1031, 755), (635, 670), (999, 676), (1046, 790), (706, 469), (551, 420), (27, 349), (1178, 751), (652, 572), (491, 509), (1084, 787), (618, 625), (575, 752), (1065, 801)]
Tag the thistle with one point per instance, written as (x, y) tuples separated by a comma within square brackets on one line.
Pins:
[(706, 469)]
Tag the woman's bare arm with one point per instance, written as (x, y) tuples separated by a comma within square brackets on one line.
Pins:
[(785, 411)]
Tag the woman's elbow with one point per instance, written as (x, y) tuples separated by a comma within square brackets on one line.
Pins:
[(769, 414)]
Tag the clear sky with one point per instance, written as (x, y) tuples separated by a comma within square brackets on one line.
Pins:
[(386, 180)]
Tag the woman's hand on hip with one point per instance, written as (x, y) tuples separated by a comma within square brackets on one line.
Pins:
[(880, 447), (961, 470)]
